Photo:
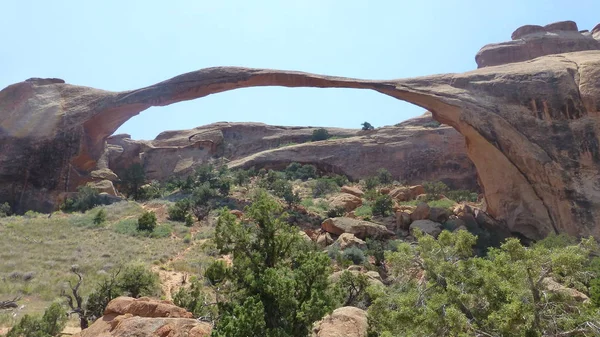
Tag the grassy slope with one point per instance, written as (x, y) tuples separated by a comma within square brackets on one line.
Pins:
[(46, 248)]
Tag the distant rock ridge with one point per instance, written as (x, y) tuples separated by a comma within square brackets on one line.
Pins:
[(531, 41), (531, 128), (427, 150)]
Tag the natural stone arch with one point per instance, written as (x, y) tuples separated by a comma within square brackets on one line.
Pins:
[(533, 184)]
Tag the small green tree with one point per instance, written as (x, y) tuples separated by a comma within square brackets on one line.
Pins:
[(180, 210), (501, 294), (372, 182), (132, 180), (136, 280), (194, 299), (86, 198), (5, 210), (49, 325), (435, 190), (383, 205), (354, 254), (384, 176), (100, 217), (367, 126), (320, 134), (241, 177), (277, 284), (323, 187), (147, 222), (351, 289)]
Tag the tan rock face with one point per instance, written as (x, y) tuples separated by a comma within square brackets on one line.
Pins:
[(347, 240), (345, 321), (348, 201), (125, 316), (353, 190), (531, 41), (426, 154), (531, 130), (361, 229)]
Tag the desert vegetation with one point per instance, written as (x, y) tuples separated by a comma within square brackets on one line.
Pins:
[(253, 257)]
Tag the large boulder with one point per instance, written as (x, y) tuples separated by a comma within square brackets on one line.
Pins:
[(361, 229), (324, 239), (346, 201), (427, 226), (126, 316), (103, 186), (438, 214), (347, 240), (552, 286), (343, 322), (353, 190), (421, 212)]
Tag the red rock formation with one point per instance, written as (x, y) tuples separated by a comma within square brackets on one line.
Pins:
[(531, 41), (414, 151), (531, 129)]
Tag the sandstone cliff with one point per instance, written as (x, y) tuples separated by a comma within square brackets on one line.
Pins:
[(414, 151), (531, 129)]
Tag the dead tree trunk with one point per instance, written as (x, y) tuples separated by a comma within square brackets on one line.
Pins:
[(77, 305)]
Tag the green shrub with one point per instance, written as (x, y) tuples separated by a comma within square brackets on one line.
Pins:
[(323, 187), (383, 205), (298, 171), (351, 290), (503, 291), (371, 182), (336, 212), (340, 180), (462, 195), (432, 124), (5, 210), (126, 227), (367, 126), (146, 222), (189, 220), (132, 180), (435, 190), (364, 211), (100, 217), (50, 324), (193, 299), (278, 286), (371, 195), (306, 172), (160, 231), (106, 289), (180, 210), (86, 198), (384, 176), (154, 190), (354, 254), (241, 177), (136, 281), (187, 238), (320, 134)]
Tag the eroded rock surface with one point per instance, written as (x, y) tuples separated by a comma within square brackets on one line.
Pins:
[(344, 321), (531, 130), (531, 41), (126, 316)]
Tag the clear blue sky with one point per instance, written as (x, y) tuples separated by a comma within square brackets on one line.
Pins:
[(120, 45)]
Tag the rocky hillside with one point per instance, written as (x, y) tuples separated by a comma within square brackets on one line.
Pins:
[(414, 151), (530, 125)]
